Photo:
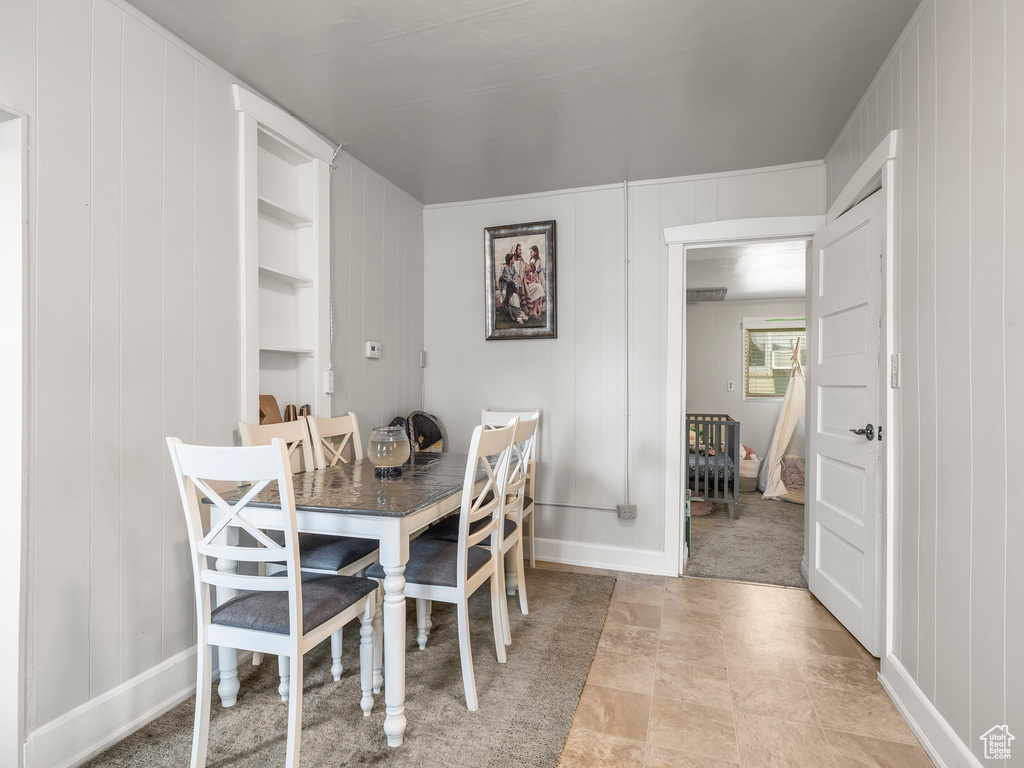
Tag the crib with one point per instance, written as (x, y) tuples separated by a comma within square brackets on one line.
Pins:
[(714, 475)]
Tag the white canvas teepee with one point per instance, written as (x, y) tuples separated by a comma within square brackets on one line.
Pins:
[(792, 413)]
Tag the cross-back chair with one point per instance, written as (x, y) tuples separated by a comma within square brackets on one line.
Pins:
[(335, 440), (293, 433), (286, 614), (318, 553), (511, 538), (452, 571), (501, 418)]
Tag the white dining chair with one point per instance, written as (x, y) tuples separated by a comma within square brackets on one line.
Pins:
[(500, 419), (318, 553), (335, 440), (511, 539), (287, 614), (450, 572)]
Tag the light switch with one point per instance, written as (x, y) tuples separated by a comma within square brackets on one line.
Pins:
[(373, 349)]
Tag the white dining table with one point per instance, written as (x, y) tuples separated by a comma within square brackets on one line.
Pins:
[(349, 500)]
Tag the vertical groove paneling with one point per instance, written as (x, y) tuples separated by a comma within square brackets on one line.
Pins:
[(988, 412), (376, 277), (578, 380), (928, 597), (141, 331), (1013, 282), (178, 336), (135, 334), (910, 454), (956, 89), (105, 331), (60, 523), (952, 278)]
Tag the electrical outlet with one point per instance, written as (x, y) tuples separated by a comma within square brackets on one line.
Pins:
[(731, 385), (373, 350)]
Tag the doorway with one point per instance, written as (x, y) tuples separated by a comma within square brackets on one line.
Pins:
[(13, 225), (745, 405)]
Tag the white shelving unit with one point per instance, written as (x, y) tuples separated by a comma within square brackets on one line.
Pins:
[(285, 199)]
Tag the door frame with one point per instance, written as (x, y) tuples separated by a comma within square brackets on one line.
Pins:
[(679, 240), (14, 456), (878, 171)]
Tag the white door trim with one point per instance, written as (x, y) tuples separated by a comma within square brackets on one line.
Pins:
[(13, 461), (679, 239)]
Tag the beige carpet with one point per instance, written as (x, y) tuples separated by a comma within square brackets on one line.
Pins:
[(765, 545), (526, 705)]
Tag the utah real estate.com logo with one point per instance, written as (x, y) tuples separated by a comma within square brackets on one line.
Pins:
[(997, 742)]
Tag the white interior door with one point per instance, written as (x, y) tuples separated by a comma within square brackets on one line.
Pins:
[(844, 475)]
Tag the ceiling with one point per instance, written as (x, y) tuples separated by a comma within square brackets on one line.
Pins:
[(464, 99), (754, 271)]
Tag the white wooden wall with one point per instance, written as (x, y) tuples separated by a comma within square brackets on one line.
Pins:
[(714, 355), (955, 89), (134, 333), (578, 379), (377, 287)]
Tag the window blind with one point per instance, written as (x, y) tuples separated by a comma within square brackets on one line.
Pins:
[(768, 359)]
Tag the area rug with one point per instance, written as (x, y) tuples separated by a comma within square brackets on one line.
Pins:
[(526, 704), (765, 545)]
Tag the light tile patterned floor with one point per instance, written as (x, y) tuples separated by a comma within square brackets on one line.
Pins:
[(693, 673)]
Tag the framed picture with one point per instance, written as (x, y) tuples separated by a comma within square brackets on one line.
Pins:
[(519, 283)]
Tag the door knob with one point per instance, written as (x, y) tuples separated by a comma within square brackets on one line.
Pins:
[(868, 432)]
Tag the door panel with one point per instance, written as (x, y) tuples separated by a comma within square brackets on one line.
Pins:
[(844, 473)]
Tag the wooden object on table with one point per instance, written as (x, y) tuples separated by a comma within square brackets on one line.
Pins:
[(290, 414), (305, 410), (270, 411)]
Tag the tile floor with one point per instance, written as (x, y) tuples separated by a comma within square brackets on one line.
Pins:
[(694, 673)]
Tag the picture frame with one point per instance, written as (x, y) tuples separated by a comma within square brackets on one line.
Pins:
[(520, 297)]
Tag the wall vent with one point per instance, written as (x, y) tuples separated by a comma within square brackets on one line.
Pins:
[(698, 295)]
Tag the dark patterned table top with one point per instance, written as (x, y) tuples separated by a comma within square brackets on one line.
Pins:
[(426, 479)]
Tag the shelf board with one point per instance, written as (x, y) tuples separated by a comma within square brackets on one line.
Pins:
[(297, 351), (292, 218), (285, 277)]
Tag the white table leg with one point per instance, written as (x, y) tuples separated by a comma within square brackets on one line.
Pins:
[(394, 553), (227, 658), (378, 639), (423, 622), (511, 582)]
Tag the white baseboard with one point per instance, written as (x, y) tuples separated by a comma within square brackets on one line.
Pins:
[(89, 729), (938, 738), (599, 556)]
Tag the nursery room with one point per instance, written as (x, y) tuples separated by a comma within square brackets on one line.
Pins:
[(511, 383), (745, 397)]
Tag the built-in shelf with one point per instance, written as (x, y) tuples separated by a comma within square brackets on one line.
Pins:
[(285, 277), (297, 351), (289, 217)]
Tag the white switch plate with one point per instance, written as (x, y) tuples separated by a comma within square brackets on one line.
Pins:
[(373, 349), (732, 385)]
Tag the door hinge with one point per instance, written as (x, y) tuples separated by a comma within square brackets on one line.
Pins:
[(895, 373)]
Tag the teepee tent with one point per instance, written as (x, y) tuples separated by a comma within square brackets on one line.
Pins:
[(792, 413)]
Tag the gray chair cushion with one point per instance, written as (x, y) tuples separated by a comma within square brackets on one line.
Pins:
[(435, 562), (332, 553), (448, 529), (323, 598)]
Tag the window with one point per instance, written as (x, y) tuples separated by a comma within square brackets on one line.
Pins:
[(768, 359)]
